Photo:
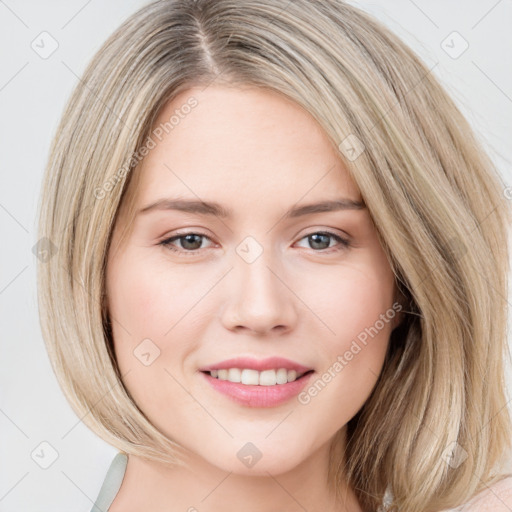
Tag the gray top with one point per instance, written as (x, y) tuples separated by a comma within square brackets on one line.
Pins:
[(493, 499), (111, 484)]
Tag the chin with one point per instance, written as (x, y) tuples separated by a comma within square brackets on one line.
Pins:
[(258, 458)]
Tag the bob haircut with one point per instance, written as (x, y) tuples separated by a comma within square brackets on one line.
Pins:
[(434, 195)]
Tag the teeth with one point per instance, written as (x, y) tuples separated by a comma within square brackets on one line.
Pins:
[(255, 378), (250, 377), (282, 376), (234, 375)]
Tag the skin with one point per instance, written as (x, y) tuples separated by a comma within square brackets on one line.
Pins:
[(259, 154)]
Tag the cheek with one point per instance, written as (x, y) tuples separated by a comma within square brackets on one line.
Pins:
[(134, 297), (148, 307), (146, 299), (354, 300), (357, 307), (157, 310), (143, 306)]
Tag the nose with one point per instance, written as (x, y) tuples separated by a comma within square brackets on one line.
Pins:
[(259, 298)]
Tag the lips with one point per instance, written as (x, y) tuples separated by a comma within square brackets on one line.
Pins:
[(258, 395), (271, 363)]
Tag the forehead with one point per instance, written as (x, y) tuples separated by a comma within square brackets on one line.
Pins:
[(247, 144)]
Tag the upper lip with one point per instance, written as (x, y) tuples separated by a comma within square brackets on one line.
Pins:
[(269, 363)]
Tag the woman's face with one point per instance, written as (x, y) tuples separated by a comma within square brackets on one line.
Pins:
[(270, 279)]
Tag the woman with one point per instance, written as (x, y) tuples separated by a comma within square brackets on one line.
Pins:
[(281, 267)]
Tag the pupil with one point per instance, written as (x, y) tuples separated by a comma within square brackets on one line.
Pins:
[(314, 240), (189, 238)]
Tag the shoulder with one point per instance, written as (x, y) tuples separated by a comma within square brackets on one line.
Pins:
[(111, 483), (496, 497)]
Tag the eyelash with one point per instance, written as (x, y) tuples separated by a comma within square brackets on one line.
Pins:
[(344, 243)]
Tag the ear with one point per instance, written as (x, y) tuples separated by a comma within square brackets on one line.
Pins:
[(401, 304), (105, 314)]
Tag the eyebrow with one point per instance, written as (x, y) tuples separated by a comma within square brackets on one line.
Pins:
[(213, 208)]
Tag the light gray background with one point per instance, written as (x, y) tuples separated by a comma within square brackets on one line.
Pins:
[(33, 91)]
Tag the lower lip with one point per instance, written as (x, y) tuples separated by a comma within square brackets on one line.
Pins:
[(258, 396)]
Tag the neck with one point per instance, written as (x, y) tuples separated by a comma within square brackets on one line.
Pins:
[(203, 487)]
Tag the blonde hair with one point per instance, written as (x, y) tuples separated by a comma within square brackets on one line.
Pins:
[(433, 194)]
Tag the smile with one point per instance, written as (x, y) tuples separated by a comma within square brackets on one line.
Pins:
[(258, 395), (248, 376)]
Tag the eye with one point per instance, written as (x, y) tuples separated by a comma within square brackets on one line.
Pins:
[(320, 240), (189, 242)]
